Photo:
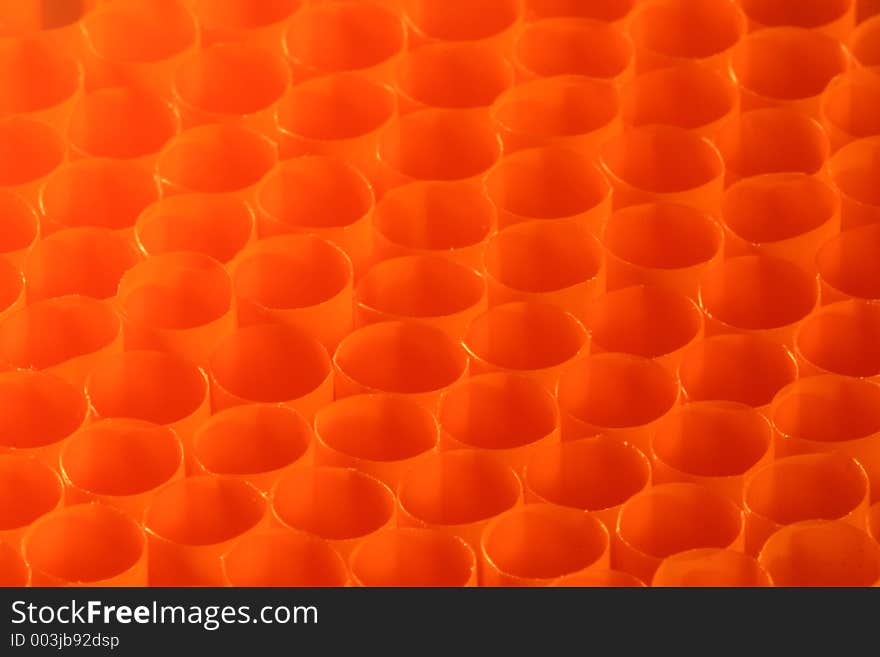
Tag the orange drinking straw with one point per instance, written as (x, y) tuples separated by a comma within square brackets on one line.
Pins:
[(853, 168), (403, 357), (848, 267), (413, 557), (687, 95), (830, 413), (181, 302), (14, 572), (254, 442), (273, 364), (840, 339), (834, 17), (11, 287), (599, 579), (745, 368), (646, 321), (101, 125), (86, 545), (120, 462), (526, 337), (193, 522), (223, 21), (664, 163), (507, 414), (597, 475), (138, 43), (332, 37), (32, 489), (457, 492), (622, 395), (298, 280), (611, 11), (29, 151), (863, 42), (711, 567), (38, 412), (97, 192), (671, 518), (452, 75), (821, 553), (573, 46), (431, 288), (806, 487), (550, 183), (341, 505), (874, 522), (772, 140), (216, 225), (56, 23), (788, 66), (19, 227), (848, 106), (667, 32), (452, 219), (572, 111), (533, 545), (736, 297), (84, 261), (283, 557), (662, 244), (65, 336), (493, 21)]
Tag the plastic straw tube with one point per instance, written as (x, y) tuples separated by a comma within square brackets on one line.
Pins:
[(597, 475), (213, 224), (687, 95), (283, 557), (599, 579), (301, 281), (848, 267), (745, 368), (36, 490), (29, 151), (138, 43), (493, 21), (662, 244), (565, 110), (271, 363), (19, 227), (863, 42), (181, 302), (714, 443), (38, 412), (431, 288), (671, 518), (611, 11), (453, 76), (833, 17), (333, 37), (244, 20), (14, 572), (57, 24), (789, 66), (341, 505), (255, 442), (414, 557), (758, 294), (848, 106), (526, 337), (772, 140), (853, 168), (83, 261), (97, 192), (457, 492), (806, 487), (192, 523), (338, 115), (508, 414), (821, 553), (101, 125), (621, 395), (664, 163), (453, 219), (560, 263), (65, 336), (573, 46), (231, 82), (403, 357), (840, 339), (667, 32), (535, 544), (874, 522), (320, 195), (11, 287), (831, 413), (382, 435), (647, 321), (550, 183), (120, 462), (86, 545), (710, 567)]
